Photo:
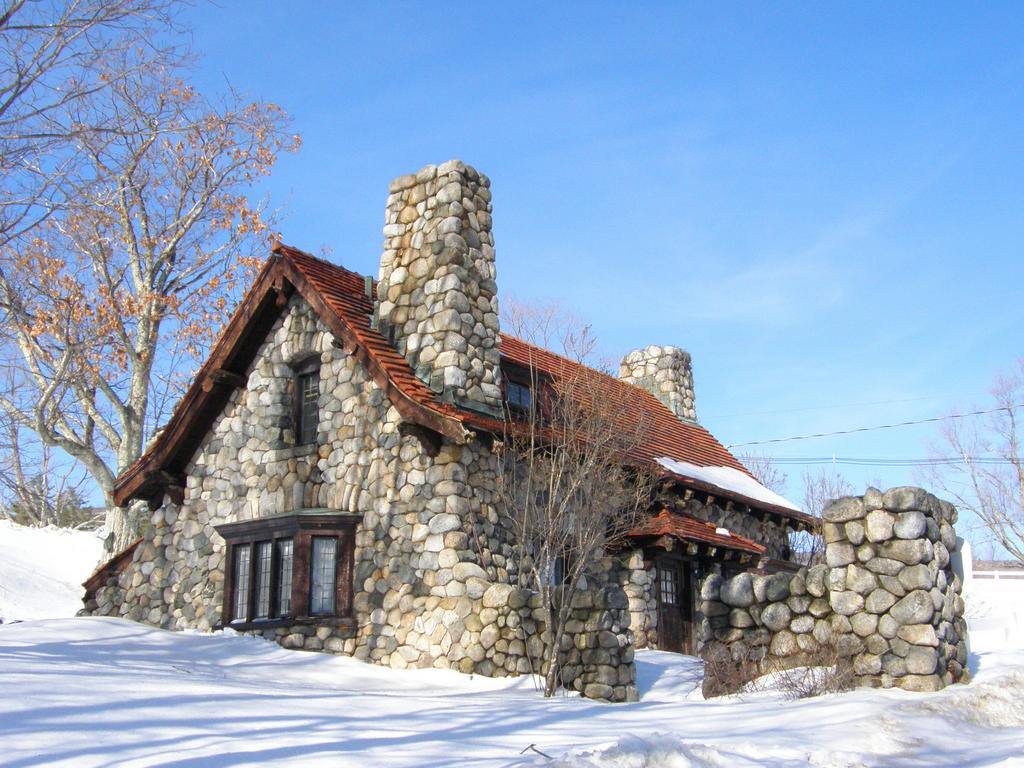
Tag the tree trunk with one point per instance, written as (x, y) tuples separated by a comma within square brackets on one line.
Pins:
[(122, 527)]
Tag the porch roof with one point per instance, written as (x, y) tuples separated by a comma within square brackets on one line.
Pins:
[(684, 527)]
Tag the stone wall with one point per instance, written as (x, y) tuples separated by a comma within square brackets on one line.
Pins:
[(432, 568), (886, 601), (665, 372), (638, 583), (891, 581), (437, 290)]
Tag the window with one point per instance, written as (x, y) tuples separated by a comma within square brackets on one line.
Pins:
[(668, 583), (518, 396), (306, 407), (264, 558), (324, 568), (258, 567), (290, 569), (555, 572), (284, 583), (241, 601)]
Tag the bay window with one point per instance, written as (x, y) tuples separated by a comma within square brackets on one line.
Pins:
[(289, 569)]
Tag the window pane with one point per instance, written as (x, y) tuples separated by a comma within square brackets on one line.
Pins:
[(322, 580), (264, 554), (309, 411), (242, 557), (518, 395), (668, 585), (284, 577)]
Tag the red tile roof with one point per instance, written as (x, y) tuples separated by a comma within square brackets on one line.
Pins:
[(688, 528), (340, 298)]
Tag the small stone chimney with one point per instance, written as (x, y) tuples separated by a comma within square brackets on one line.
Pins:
[(665, 372), (437, 291)]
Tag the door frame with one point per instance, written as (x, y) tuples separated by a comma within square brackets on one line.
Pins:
[(686, 599)]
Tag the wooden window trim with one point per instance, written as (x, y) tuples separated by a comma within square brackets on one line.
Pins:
[(300, 528), (300, 369)]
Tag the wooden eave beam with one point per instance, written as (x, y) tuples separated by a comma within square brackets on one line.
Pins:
[(221, 377), (228, 355)]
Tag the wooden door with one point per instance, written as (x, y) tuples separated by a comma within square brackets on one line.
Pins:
[(675, 606)]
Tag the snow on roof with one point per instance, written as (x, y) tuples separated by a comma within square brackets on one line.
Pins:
[(728, 479)]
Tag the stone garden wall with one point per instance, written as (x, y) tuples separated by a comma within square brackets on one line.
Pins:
[(886, 602)]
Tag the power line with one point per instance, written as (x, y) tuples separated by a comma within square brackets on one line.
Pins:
[(877, 427), (828, 407), (883, 462)]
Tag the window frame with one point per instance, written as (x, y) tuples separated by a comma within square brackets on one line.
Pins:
[(301, 370), (517, 404), (301, 529), (533, 381)]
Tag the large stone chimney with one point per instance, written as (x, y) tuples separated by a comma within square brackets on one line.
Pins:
[(665, 372), (437, 290)]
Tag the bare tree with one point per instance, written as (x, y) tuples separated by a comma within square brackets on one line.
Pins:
[(53, 55), (46, 492), (988, 477), (821, 488), (766, 471), (549, 325), (568, 487), (137, 266)]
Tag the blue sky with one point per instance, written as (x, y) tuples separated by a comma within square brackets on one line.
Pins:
[(822, 202)]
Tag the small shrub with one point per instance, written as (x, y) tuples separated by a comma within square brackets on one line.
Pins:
[(807, 674)]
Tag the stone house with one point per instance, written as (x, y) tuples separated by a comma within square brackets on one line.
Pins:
[(328, 479)]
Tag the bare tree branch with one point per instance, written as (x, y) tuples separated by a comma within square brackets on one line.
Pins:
[(989, 481), (568, 487)]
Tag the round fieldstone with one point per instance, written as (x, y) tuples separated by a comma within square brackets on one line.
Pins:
[(888, 627), (777, 587), (864, 624), (801, 625), (776, 616), (915, 608), (815, 580), (906, 498), (910, 525), (884, 566), (918, 634), (854, 532), (920, 683), (867, 664), (860, 579), (496, 595), (921, 660), (848, 603), (878, 526), (916, 577), (711, 588), (840, 554), (843, 510), (738, 592), (879, 601), (784, 644), (798, 584), (740, 618), (907, 552)]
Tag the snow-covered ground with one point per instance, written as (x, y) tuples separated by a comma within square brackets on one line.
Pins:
[(92, 692), (42, 570), (84, 692)]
